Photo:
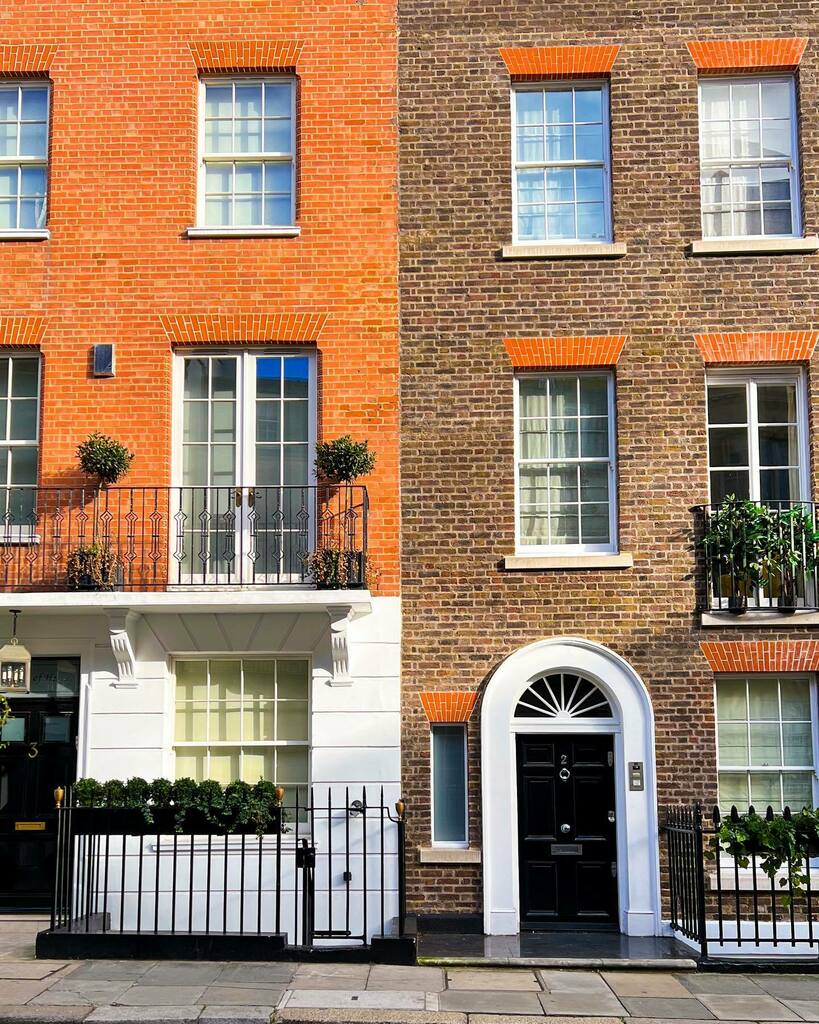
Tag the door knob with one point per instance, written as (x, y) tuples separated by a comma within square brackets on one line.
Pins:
[(564, 774), (565, 828)]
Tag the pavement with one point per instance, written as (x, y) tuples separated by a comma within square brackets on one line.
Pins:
[(174, 992)]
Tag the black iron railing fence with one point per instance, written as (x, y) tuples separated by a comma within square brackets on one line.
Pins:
[(152, 538), (332, 872), (730, 907), (763, 559)]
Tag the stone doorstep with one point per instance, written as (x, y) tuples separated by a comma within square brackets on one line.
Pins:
[(576, 963), (349, 1016)]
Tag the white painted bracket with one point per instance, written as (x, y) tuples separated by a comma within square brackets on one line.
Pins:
[(340, 616), (121, 628)]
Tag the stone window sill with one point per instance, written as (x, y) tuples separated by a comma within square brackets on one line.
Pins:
[(761, 617), (18, 535), (601, 561), (753, 246), (39, 235), (570, 251), (448, 855), (292, 231)]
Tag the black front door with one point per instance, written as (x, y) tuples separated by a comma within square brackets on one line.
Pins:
[(39, 754), (567, 844)]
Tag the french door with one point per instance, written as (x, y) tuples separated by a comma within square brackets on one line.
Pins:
[(243, 510)]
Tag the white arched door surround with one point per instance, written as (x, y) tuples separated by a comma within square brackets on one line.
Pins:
[(631, 723)]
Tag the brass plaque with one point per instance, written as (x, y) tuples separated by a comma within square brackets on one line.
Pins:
[(567, 849), (29, 826)]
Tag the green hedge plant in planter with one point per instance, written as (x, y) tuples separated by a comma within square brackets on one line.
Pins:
[(92, 567), (736, 543), (791, 550), (103, 457)]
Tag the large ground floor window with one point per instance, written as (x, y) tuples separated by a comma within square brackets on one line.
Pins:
[(765, 742), (243, 718)]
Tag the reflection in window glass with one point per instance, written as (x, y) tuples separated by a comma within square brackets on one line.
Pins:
[(449, 784)]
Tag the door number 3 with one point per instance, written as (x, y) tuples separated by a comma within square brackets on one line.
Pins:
[(33, 750)]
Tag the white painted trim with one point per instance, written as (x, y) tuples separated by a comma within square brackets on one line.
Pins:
[(284, 232), (25, 235), (753, 246), (564, 251), (633, 731)]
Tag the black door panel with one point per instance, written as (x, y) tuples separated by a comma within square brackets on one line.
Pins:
[(567, 830), (39, 755)]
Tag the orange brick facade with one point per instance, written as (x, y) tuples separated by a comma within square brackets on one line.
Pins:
[(123, 184)]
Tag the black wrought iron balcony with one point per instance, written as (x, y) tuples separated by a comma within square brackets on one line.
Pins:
[(757, 556), (158, 538)]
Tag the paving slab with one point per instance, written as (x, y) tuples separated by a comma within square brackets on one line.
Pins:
[(31, 970), (579, 982), (191, 974), (666, 1008), (330, 976), (312, 1016), (145, 1014), (159, 995), (789, 986), (113, 970), (644, 983), (342, 999), (81, 993), (755, 1007), (719, 984), (663, 1020), (44, 1014), (417, 979), (483, 1018), (236, 1014), (808, 1009), (581, 1004), (256, 974), (247, 995), (498, 981), (17, 992), (504, 1002)]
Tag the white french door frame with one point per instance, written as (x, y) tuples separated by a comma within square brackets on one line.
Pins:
[(245, 476)]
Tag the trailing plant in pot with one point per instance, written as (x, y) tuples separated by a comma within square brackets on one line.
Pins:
[(92, 567), (103, 457), (737, 543), (792, 547)]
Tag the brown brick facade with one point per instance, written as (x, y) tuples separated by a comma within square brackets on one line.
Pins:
[(463, 614)]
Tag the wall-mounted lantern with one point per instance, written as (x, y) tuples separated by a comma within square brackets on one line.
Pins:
[(15, 663)]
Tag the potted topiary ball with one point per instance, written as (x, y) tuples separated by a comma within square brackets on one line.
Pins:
[(103, 457), (344, 460)]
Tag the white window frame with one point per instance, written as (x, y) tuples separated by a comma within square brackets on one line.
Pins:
[(730, 162), (748, 769), (204, 159), (438, 843), (31, 161), (245, 406), (750, 379), (569, 549), (258, 744), (603, 85)]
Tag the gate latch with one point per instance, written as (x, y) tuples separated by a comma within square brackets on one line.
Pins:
[(305, 855)]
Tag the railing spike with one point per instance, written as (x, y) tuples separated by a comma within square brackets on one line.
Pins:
[(769, 814), (734, 813)]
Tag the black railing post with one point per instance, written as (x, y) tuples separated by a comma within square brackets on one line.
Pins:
[(700, 868), (401, 809)]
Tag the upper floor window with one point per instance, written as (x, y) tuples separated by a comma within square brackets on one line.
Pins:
[(19, 431), (756, 443), (561, 163), (247, 153), (565, 463), (23, 155), (748, 156)]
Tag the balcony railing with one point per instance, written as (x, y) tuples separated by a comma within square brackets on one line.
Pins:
[(757, 556), (156, 538)]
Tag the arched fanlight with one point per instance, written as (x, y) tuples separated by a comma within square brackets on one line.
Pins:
[(563, 695), (15, 663)]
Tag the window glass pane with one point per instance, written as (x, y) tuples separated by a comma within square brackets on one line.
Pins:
[(191, 680), (24, 465), (778, 484), (594, 482), (268, 377), (296, 375), (778, 446), (732, 704), (797, 744), (196, 378), (248, 101), (218, 101), (222, 465), (295, 421), (795, 697), (33, 181), (268, 427), (589, 141), (295, 464), (715, 100), (248, 178), (588, 105), (195, 421), (776, 139), (247, 211), (8, 140), (223, 373), (34, 104), (223, 421), (8, 104), (259, 764), (292, 720), (766, 790), (14, 730), (589, 184), (8, 181), (219, 178), (776, 99), (766, 748), (728, 446), (33, 140), (278, 177), (268, 465), (225, 680), (278, 212), (190, 763), (727, 404), (25, 374), (563, 396), (594, 396), (277, 100), (225, 722), (594, 437), (218, 136), (291, 765), (776, 403), (763, 699), (217, 213), (559, 184), (777, 220), (559, 106), (448, 784), (733, 744), (24, 419), (797, 790), (733, 790), (529, 106), (590, 221), (744, 100), (292, 679), (191, 722), (224, 765), (277, 136)]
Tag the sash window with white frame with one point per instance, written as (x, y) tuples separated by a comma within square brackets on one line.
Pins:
[(448, 765), (244, 459), (23, 155), (247, 146), (565, 463), (19, 443), (748, 157), (562, 190), (757, 443), (766, 741), (243, 719)]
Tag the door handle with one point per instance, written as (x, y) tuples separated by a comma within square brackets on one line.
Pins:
[(564, 775)]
